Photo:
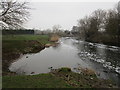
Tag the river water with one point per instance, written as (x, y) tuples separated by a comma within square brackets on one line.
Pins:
[(103, 59)]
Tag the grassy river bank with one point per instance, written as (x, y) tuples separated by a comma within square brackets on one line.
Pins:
[(58, 78), (14, 46)]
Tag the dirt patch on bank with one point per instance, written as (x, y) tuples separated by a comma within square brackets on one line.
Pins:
[(85, 79), (33, 47)]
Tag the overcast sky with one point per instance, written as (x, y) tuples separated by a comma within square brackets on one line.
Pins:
[(46, 14)]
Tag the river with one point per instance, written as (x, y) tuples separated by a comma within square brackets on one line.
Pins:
[(103, 59)]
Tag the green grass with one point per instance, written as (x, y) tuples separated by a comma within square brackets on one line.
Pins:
[(65, 69), (41, 38), (61, 78), (34, 81), (13, 42)]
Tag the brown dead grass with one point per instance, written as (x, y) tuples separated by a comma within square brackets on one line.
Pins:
[(54, 38), (87, 71)]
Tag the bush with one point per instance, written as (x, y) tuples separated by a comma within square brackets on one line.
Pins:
[(64, 69)]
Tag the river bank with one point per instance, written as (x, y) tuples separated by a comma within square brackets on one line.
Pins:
[(107, 40), (57, 78), (68, 53), (16, 45)]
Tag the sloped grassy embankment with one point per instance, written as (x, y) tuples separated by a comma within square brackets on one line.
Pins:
[(58, 78)]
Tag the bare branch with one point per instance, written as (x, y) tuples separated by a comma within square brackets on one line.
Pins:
[(14, 13)]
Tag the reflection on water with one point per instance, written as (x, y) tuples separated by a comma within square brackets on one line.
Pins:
[(105, 60)]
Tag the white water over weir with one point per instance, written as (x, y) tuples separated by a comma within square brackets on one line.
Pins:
[(103, 59)]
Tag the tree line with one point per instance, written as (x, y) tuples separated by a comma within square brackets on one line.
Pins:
[(102, 26)]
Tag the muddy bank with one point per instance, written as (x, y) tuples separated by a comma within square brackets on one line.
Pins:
[(8, 56)]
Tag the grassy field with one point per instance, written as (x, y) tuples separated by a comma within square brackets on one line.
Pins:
[(61, 78), (41, 38), (13, 42), (19, 42), (34, 81)]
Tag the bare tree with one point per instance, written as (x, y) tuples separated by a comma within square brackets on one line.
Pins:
[(13, 14), (91, 25), (118, 9), (100, 16), (84, 26), (56, 28)]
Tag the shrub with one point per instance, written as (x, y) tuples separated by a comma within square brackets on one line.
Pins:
[(64, 69)]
